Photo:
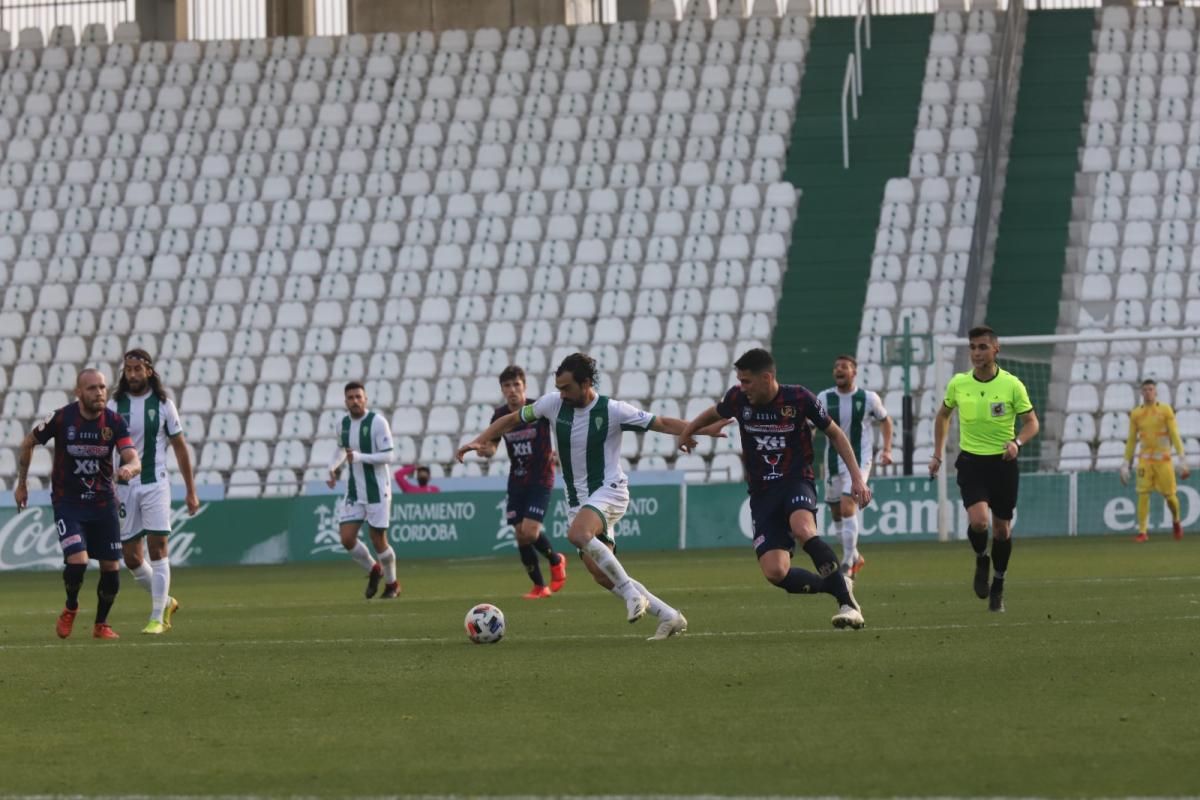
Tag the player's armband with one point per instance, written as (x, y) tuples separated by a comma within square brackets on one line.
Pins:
[(528, 414)]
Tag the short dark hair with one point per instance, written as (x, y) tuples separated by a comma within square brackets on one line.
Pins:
[(352, 385), (512, 373), (845, 357), (422, 468), (1150, 382), (756, 360), (982, 332), (581, 366)]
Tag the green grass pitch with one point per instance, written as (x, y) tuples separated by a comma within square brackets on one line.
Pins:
[(284, 681)]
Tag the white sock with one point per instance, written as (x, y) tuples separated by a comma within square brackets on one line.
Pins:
[(607, 561), (162, 587), (850, 539), (387, 559), (362, 555), (144, 576), (657, 607)]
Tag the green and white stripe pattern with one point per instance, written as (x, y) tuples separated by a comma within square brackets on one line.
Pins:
[(370, 433), (151, 422), (855, 413), (588, 440)]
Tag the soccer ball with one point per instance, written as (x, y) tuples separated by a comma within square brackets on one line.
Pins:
[(485, 624)]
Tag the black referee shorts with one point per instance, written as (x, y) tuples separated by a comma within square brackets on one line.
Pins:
[(991, 479)]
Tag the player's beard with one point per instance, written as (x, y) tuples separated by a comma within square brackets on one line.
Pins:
[(138, 388)]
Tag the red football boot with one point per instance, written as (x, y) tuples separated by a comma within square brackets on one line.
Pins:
[(103, 630), (537, 593), (66, 620), (558, 573)]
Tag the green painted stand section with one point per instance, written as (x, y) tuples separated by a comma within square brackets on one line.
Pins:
[(821, 303), (1031, 243)]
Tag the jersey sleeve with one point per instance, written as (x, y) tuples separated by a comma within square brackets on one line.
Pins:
[(727, 408), (1173, 433), (545, 407), (814, 410), (1021, 402), (1131, 439), (47, 429), (629, 417), (383, 435), (171, 422), (951, 398), (878, 409)]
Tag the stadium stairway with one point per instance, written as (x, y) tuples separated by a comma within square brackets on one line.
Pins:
[(1036, 213), (820, 307), (1035, 217)]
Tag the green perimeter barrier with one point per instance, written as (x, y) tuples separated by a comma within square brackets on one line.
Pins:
[(471, 524)]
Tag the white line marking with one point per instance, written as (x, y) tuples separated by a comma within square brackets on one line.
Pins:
[(445, 640)]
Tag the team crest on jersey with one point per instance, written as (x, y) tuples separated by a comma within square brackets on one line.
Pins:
[(599, 423), (151, 413), (788, 411), (106, 434), (746, 412)]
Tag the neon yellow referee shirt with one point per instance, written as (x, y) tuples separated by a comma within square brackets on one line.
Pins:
[(987, 410)]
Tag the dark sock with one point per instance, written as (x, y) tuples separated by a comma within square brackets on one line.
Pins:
[(530, 560), (73, 581), (978, 540), (822, 555), (106, 592), (1001, 551), (825, 560), (800, 581), (543, 546)]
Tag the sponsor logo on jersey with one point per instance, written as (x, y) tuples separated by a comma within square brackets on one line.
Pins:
[(997, 409), (71, 433)]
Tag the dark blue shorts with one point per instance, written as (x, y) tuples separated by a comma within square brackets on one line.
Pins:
[(771, 508), (98, 531), (527, 503)]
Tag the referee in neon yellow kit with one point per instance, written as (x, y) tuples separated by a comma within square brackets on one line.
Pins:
[(989, 401)]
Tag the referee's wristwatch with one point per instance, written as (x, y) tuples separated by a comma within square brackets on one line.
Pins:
[(1017, 443)]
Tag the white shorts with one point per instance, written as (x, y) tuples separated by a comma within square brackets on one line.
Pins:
[(610, 503), (838, 485), (377, 515), (144, 508)]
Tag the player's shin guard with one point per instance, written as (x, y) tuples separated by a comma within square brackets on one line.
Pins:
[(978, 540), (362, 556), (825, 561), (387, 560), (160, 587), (529, 558), (144, 575), (543, 546), (73, 582), (1001, 551), (106, 594), (1173, 504), (607, 561), (800, 581), (1143, 511), (850, 539)]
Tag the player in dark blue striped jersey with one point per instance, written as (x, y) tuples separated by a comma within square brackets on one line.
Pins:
[(777, 450), (530, 479)]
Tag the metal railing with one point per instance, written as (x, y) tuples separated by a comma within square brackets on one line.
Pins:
[(849, 88), (852, 79), (46, 14), (990, 165), (227, 19)]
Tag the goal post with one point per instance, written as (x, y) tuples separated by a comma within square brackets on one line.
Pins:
[(1082, 387)]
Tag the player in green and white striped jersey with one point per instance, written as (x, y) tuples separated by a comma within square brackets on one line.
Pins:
[(145, 499), (365, 441), (855, 411), (587, 433)]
